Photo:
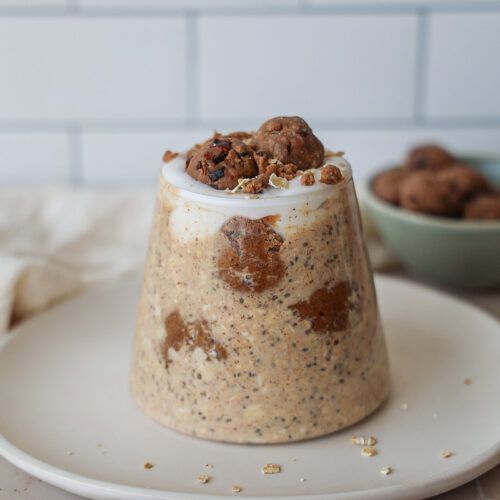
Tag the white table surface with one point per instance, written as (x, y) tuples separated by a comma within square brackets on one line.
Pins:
[(16, 485)]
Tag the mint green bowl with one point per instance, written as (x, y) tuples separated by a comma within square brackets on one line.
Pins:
[(449, 252)]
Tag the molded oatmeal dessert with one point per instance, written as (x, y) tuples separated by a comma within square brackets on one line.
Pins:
[(258, 320)]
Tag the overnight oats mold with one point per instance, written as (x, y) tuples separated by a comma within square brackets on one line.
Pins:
[(258, 320)]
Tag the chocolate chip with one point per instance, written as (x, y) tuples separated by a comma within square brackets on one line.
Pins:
[(216, 174)]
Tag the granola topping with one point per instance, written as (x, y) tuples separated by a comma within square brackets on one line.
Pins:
[(282, 149), (330, 174), (169, 156), (307, 179)]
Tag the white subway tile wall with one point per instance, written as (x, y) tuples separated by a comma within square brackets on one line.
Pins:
[(93, 91), (33, 158), (69, 68), (464, 65), (130, 157), (335, 67)]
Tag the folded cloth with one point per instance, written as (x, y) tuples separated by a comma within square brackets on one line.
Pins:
[(56, 241)]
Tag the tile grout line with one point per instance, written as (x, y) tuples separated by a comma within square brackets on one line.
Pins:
[(73, 8), (148, 125), (421, 66), (303, 6), (75, 160), (192, 69)]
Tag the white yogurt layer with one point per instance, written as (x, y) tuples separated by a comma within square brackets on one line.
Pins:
[(201, 210)]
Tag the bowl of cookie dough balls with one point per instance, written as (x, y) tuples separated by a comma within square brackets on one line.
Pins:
[(440, 215)]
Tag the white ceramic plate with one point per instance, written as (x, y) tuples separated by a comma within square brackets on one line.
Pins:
[(66, 415)]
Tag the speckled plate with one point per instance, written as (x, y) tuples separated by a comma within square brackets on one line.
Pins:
[(66, 415)]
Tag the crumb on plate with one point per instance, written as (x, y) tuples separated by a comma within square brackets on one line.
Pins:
[(368, 451), (271, 469)]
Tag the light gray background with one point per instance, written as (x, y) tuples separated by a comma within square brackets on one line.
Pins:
[(93, 91)]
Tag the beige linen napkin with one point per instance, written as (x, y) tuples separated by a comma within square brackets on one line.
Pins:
[(56, 241)]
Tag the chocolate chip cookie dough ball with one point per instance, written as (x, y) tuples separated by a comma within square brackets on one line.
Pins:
[(289, 139), (221, 161), (246, 137), (424, 192), (251, 259), (428, 157), (386, 185), (483, 206), (464, 180)]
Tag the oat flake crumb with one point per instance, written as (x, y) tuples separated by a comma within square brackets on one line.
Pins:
[(69, 453), (329, 153), (467, 381), (404, 406), (271, 469), (386, 471), (278, 182), (203, 478), (236, 489), (148, 465), (445, 454), (368, 451), (209, 466), (364, 440), (241, 184), (303, 479)]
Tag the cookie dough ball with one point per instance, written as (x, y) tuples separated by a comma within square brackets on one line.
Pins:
[(483, 206), (386, 185), (193, 150), (424, 192), (289, 139), (246, 137), (221, 161), (428, 157), (251, 259), (464, 180)]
